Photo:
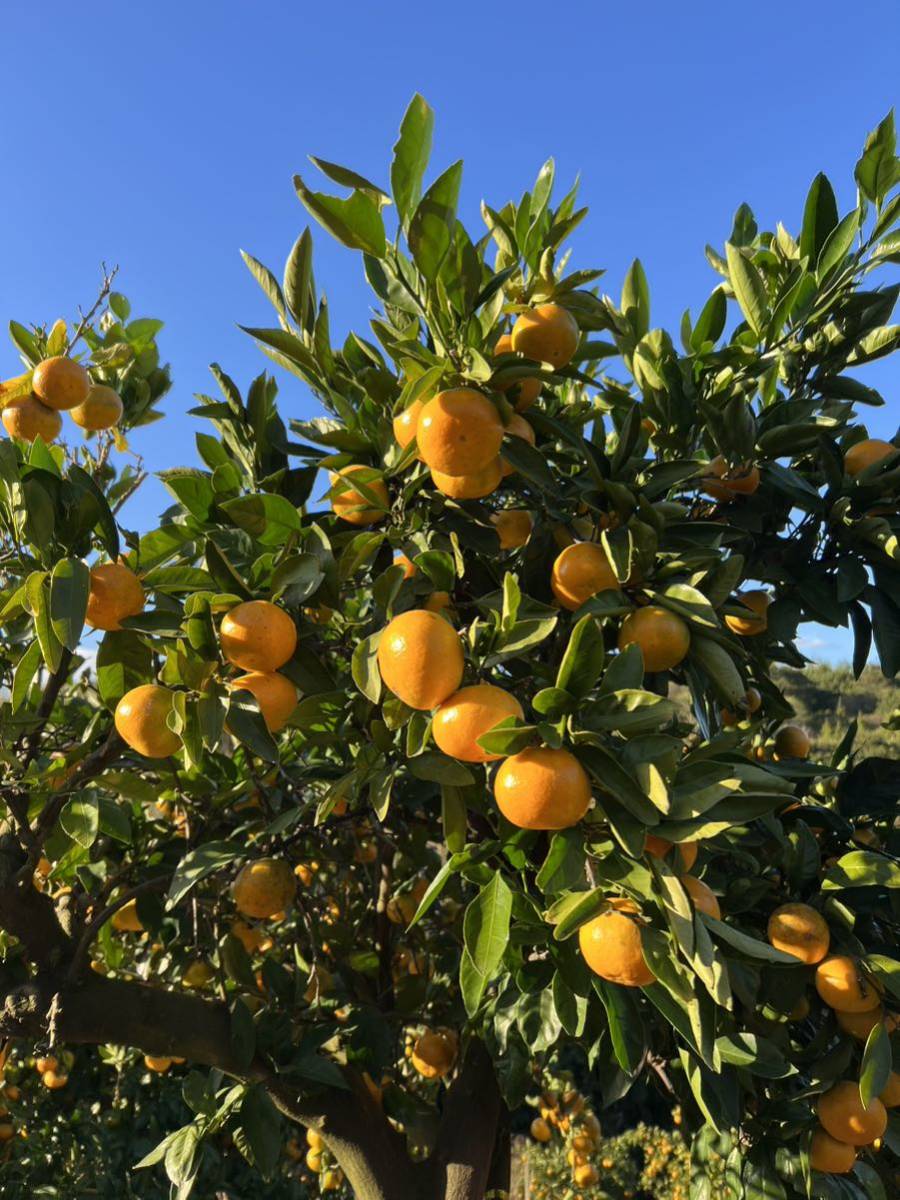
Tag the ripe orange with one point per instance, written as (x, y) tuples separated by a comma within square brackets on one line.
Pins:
[(7, 1131), (843, 1114), (842, 985), (48, 1062), (866, 454), (470, 487), (314, 1139), (542, 788), (257, 636), (251, 937), (702, 896), (439, 602), (420, 657), (585, 1175), (755, 621), (197, 974), (514, 526), (140, 720), (664, 638), (540, 1130), (860, 1024), (792, 742), (115, 593), (61, 382), (517, 427), (468, 713), (332, 1179), (402, 908), (275, 695), (126, 918), (579, 572), (405, 423), (686, 854), (459, 432), (548, 333), (264, 887), (404, 561), (800, 931), (434, 1054), (523, 392), (101, 410), (53, 1080), (350, 505), (724, 483), (611, 945), (890, 1097), (314, 1161), (753, 699), (27, 418), (828, 1154), (159, 1064)]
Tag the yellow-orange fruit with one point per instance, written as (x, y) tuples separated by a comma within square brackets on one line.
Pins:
[(27, 418), (470, 487), (140, 720), (126, 918), (861, 1024), (542, 788), (866, 454), (664, 638), (197, 974), (350, 505), (264, 887), (843, 1114), (755, 621), (611, 945), (890, 1097), (579, 572), (402, 908), (314, 1161), (842, 985), (585, 1174), (332, 1179), (405, 423), (523, 392), (314, 1140), (7, 1131), (540, 1130), (792, 742), (517, 427), (439, 602), (47, 1062), (467, 714), (251, 937), (548, 333), (459, 432), (101, 410), (420, 657), (702, 896), (61, 383), (53, 1080), (160, 1064), (404, 561), (115, 593), (434, 1054), (275, 695), (257, 636), (686, 852), (753, 700), (828, 1154), (724, 483), (514, 526), (800, 931)]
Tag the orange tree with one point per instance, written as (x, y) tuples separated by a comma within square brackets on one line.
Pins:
[(369, 812)]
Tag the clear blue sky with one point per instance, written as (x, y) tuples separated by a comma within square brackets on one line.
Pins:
[(165, 138)]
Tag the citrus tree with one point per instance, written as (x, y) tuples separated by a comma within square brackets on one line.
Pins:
[(371, 810)]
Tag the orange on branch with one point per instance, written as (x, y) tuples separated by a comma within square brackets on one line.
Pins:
[(126, 919), (723, 482), (843, 1114), (611, 945), (755, 621), (542, 788), (828, 1154), (115, 593), (842, 985), (159, 1064), (517, 427), (27, 418), (404, 561), (61, 383), (540, 1130), (354, 507), (406, 422), (664, 638), (792, 742), (257, 636), (467, 714), (547, 333), (264, 887), (434, 1054), (470, 487), (890, 1096), (866, 454), (800, 931), (140, 720), (580, 572), (274, 693), (514, 526), (459, 432), (685, 852), (420, 657), (702, 896), (102, 409)]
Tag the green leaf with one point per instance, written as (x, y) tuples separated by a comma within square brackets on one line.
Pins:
[(486, 933), (80, 820), (432, 224), (411, 153), (820, 215), (564, 865), (261, 1122), (26, 669), (839, 243), (244, 720), (199, 863), (635, 304), (862, 868), (364, 668), (750, 946), (749, 289), (877, 1063), (266, 281), (757, 1054), (37, 602), (711, 322), (582, 663), (350, 179), (70, 584), (269, 519), (124, 661), (878, 170), (454, 817), (719, 668), (297, 283), (356, 221)]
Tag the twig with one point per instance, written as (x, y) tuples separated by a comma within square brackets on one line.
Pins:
[(106, 287), (103, 916)]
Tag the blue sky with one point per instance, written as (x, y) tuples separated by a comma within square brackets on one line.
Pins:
[(164, 139)]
